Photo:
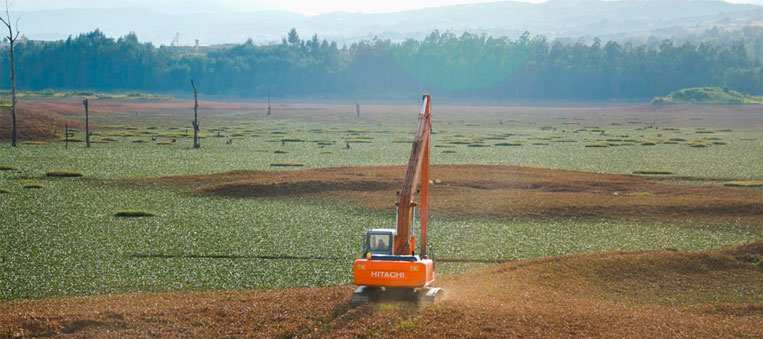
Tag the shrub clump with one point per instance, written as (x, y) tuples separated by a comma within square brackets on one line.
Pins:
[(358, 140), (287, 164), (133, 213), (8, 168), (33, 186), (700, 144), (597, 145), (752, 183), (63, 173), (3, 191), (292, 139), (652, 171)]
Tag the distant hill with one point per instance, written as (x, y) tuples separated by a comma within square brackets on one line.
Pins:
[(554, 18), (707, 95)]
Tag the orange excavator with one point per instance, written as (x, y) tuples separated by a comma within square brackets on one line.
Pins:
[(389, 268)]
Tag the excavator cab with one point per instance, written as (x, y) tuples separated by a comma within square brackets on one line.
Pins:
[(379, 241)]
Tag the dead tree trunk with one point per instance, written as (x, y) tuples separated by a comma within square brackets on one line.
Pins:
[(12, 40), (268, 100), (357, 108), (14, 132), (195, 116), (87, 125), (66, 136)]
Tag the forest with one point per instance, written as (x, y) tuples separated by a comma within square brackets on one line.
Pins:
[(466, 65)]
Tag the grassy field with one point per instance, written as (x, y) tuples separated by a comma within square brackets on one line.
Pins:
[(63, 239), (49, 93), (708, 95), (721, 153)]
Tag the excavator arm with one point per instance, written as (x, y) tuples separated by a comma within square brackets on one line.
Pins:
[(417, 172)]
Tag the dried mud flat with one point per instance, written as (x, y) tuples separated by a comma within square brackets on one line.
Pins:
[(482, 190), (619, 294), (616, 294)]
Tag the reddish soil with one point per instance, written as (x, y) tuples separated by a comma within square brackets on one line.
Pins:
[(477, 190), (34, 123), (621, 294), (39, 118), (107, 106), (174, 112), (459, 112)]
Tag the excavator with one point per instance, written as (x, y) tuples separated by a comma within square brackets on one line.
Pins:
[(389, 268)]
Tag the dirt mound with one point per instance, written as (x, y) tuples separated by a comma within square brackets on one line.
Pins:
[(203, 314), (480, 190), (621, 294), (624, 294), (34, 123)]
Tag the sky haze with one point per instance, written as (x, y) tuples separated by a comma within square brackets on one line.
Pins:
[(298, 6)]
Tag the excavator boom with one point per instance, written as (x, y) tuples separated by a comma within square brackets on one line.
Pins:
[(417, 171)]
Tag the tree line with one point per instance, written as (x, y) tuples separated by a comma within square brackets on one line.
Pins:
[(468, 65)]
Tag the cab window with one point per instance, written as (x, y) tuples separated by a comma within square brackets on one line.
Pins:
[(380, 243)]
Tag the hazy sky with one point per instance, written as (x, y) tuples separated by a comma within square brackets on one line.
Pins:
[(299, 6)]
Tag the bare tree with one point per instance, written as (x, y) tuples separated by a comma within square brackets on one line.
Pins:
[(195, 116), (12, 39), (269, 101), (87, 125)]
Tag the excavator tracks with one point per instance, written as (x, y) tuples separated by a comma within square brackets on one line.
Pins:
[(421, 296)]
